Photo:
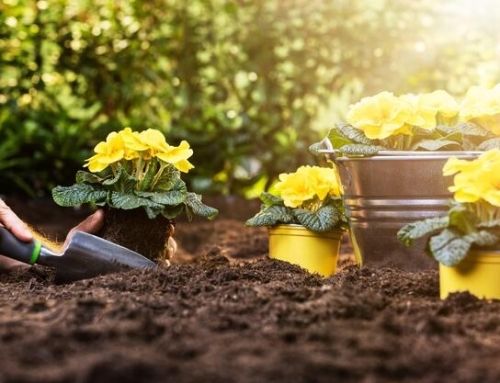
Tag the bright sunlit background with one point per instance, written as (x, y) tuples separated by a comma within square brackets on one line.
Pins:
[(249, 83)]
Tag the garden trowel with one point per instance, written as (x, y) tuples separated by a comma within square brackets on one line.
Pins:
[(86, 256)]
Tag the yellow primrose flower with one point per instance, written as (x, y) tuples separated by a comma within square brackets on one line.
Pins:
[(155, 140), (137, 171), (107, 153), (309, 197), (177, 156), (435, 108), (325, 182), (482, 106), (295, 188), (134, 147), (476, 180), (383, 115), (307, 183)]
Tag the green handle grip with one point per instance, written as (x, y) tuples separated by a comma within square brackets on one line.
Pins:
[(12, 247)]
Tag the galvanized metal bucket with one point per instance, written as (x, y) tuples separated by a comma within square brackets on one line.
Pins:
[(387, 191)]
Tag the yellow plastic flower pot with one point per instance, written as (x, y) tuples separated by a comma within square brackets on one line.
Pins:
[(313, 251), (477, 273)]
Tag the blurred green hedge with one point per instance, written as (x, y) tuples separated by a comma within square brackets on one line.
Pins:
[(242, 81)]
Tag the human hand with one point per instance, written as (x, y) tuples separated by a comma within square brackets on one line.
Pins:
[(16, 226), (92, 224), (13, 223)]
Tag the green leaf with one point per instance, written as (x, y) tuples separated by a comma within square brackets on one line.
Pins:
[(195, 205), (483, 238), (488, 224), (352, 134), (449, 247), (408, 233), (168, 179), (471, 129), (272, 215), (77, 195), (315, 148), (336, 138), (435, 145), (172, 197), (421, 132), (324, 219), (82, 176), (270, 199), (169, 212), (461, 218), (150, 173), (127, 201), (492, 143), (446, 130), (123, 182), (175, 196), (360, 150)]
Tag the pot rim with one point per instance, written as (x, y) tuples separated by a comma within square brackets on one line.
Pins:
[(403, 155)]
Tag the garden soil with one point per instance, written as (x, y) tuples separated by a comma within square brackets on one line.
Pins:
[(225, 312)]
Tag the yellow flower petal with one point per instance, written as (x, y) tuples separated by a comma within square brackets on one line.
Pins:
[(177, 156), (107, 153)]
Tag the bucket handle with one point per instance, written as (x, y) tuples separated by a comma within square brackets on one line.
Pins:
[(325, 147)]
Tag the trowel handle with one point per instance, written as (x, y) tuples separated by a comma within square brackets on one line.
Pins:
[(14, 248)]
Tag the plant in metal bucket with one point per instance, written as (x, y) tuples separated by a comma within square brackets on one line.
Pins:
[(433, 121)]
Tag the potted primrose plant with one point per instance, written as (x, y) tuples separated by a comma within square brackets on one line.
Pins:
[(466, 240), (390, 153), (136, 178), (305, 218)]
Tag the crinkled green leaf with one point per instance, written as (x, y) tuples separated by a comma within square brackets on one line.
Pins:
[(461, 218), (270, 199), (435, 145), (172, 197), (123, 182), (352, 134), (175, 196), (471, 129), (150, 173), (82, 177), (421, 132), (169, 177), (272, 215), (449, 247), (195, 205), (361, 150), (336, 138), (445, 130), (408, 233), (315, 148), (492, 143), (483, 238), (128, 201), (324, 219), (488, 224), (170, 213), (78, 194)]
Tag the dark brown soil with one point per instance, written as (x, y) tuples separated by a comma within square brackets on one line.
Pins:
[(225, 312)]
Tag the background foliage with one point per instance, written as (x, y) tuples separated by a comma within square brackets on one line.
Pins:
[(249, 83)]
